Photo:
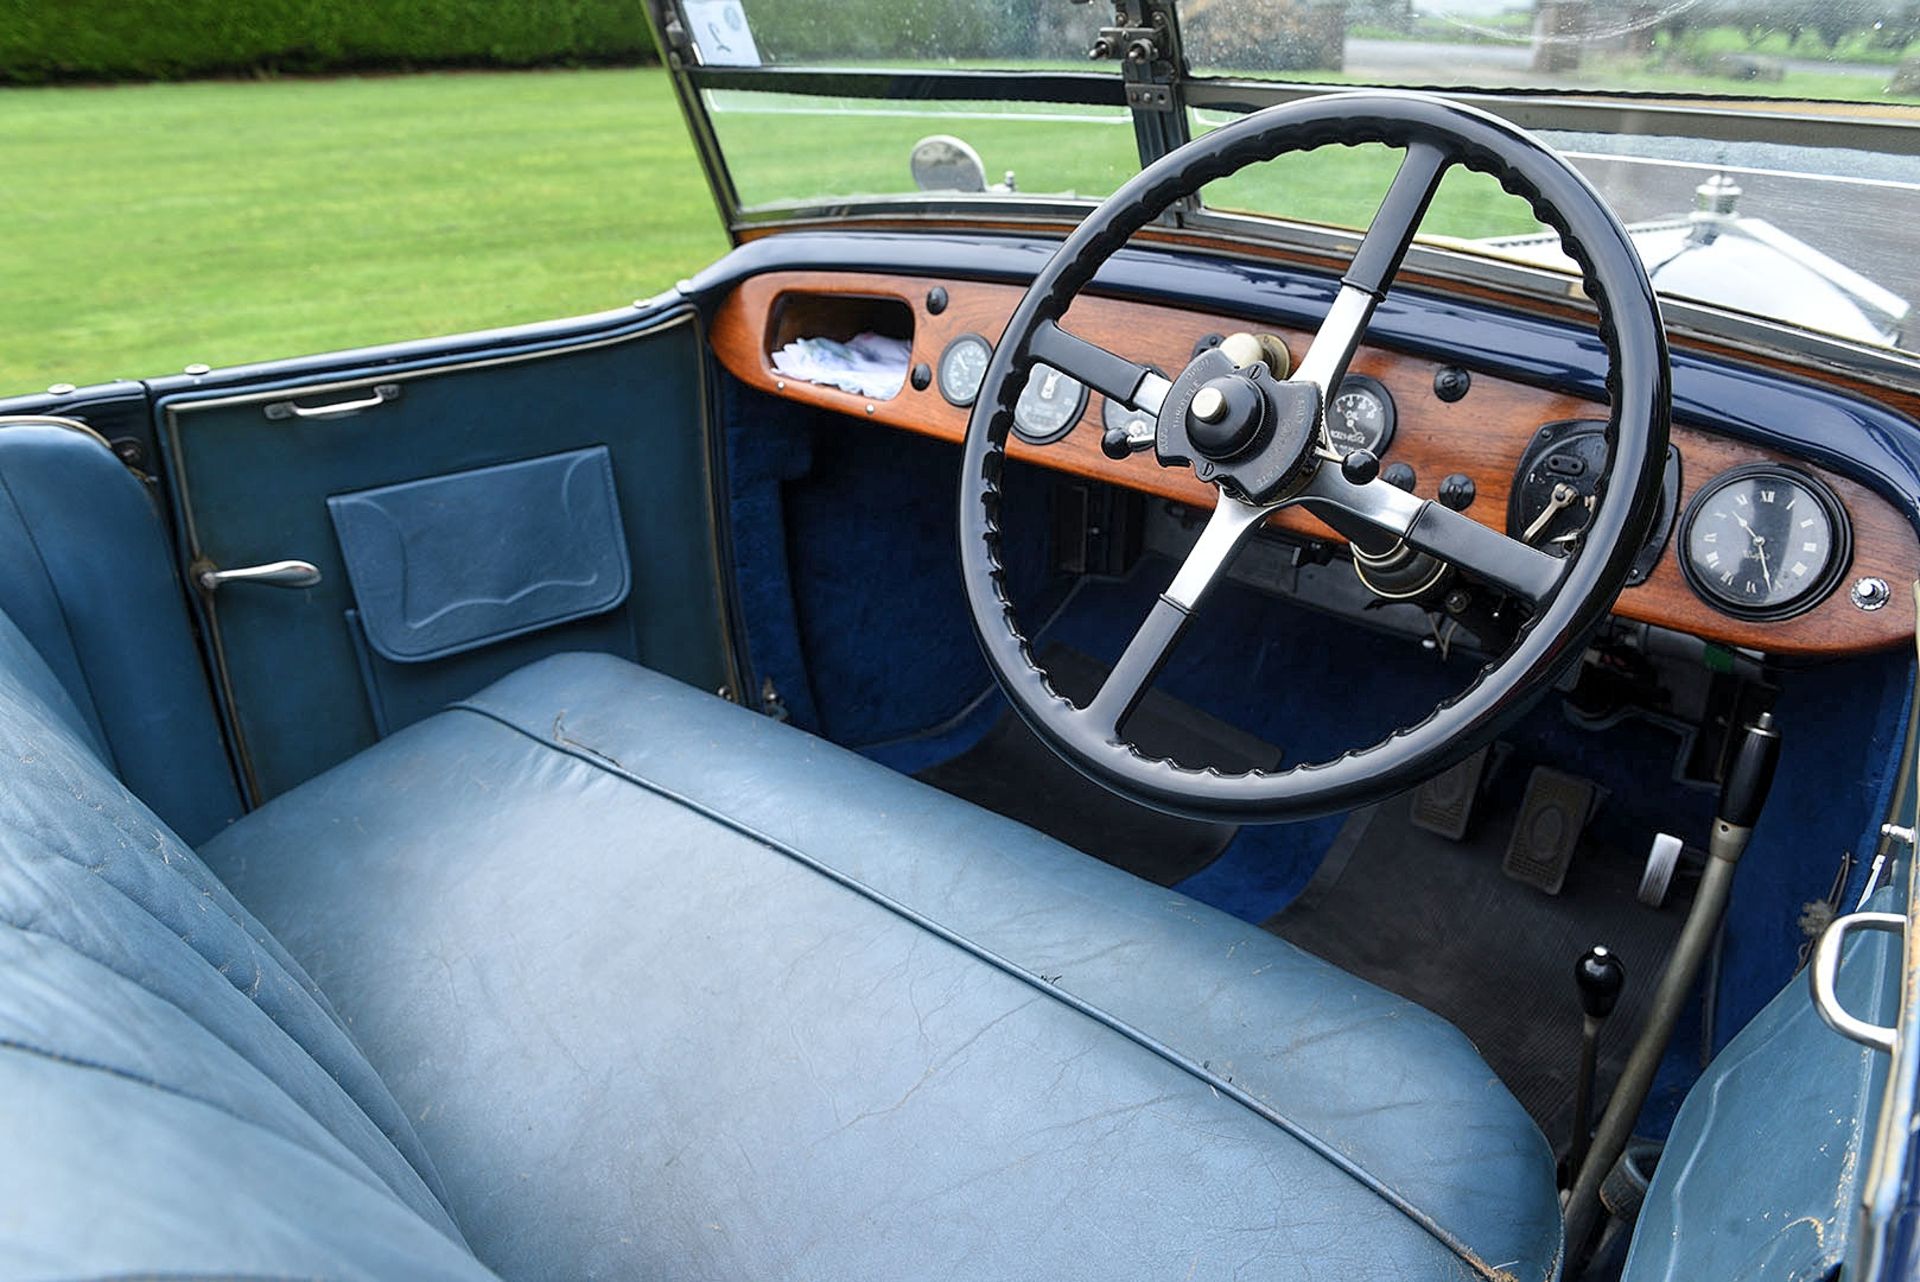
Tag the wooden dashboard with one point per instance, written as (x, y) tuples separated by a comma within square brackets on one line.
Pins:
[(1482, 435)]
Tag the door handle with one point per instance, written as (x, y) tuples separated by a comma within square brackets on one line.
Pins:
[(1825, 973), (273, 574), (381, 395)]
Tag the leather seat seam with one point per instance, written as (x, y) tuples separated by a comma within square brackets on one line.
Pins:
[(366, 1176), (585, 753)]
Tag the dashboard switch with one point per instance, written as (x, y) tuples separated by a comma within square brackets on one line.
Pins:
[(1457, 492), (1400, 476)]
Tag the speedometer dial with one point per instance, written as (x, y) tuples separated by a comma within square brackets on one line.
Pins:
[(1764, 542), (963, 366), (1361, 416)]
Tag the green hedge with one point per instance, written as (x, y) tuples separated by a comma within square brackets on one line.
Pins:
[(43, 40)]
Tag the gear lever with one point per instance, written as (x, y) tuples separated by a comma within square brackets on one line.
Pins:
[(1742, 796), (1600, 977)]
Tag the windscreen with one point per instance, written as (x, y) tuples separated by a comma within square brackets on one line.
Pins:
[(1775, 219)]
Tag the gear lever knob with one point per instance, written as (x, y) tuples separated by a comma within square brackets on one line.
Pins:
[(1600, 977)]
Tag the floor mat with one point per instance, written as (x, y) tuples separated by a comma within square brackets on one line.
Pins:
[(1011, 772), (1437, 922)]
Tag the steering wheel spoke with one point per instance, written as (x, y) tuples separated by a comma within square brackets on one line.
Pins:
[(1114, 377), (1374, 265), (1232, 521), (1376, 516)]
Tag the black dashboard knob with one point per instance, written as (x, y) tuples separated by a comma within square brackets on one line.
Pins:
[(1400, 476), (1457, 491), (1360, 466)]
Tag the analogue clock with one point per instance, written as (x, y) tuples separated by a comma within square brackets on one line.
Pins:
[(1764, 542)]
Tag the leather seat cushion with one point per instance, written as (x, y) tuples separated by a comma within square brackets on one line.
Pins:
[(666, 987)]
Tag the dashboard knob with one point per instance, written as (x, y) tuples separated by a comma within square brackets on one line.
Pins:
[(1400, 476), (1360, 467), (1457, 492)]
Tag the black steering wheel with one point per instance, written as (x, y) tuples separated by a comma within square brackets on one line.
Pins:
[(1262, 442)]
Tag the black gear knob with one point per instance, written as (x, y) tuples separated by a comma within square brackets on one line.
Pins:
[(1600, 977)]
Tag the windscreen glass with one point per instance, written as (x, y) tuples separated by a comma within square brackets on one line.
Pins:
[(786, 148), (1852, 51), (895, 33)]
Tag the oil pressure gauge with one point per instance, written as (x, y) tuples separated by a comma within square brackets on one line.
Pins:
[(1361, 416)]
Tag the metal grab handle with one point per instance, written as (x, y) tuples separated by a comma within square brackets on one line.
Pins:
[(1825, 973), (381, 395), (274, 574)]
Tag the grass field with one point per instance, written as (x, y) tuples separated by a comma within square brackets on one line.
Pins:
[(149, 226)]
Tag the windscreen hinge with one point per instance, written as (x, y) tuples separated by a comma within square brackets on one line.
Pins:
[(1143, 41)]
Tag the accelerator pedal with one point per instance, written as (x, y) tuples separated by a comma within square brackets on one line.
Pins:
[(1443, 805), (1552, 818)]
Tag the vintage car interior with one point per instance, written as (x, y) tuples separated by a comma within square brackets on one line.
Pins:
[(994, 733)]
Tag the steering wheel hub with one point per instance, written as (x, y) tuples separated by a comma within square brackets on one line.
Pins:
[(1226, 417)]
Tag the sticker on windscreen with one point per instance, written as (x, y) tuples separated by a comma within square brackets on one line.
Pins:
[(721, 33)]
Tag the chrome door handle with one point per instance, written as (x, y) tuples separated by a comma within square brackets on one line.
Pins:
[(1825, 973), (381, 395), (274, 574)]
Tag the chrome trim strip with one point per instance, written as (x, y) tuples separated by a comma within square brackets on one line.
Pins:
[(54, 420)]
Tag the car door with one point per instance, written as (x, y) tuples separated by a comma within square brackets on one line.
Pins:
[(456, 509)]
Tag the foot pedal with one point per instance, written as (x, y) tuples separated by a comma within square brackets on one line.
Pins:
[(1551, 820), (1443, 805)]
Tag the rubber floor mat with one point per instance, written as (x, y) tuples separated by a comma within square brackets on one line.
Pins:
[(1436, 922), (1011, 772)]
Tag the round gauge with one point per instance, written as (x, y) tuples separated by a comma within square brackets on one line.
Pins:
[(1764, 542), (1049, 405), (1361, 416), (963, 365), (1137, 425)]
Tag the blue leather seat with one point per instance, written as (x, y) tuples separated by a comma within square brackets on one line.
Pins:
[(667, 988), (597, 975), (87, 578)]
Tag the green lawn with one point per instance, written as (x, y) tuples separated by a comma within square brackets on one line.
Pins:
[(150, 226)]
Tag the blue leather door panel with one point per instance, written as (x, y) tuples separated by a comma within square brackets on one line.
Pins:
[(252, 478)]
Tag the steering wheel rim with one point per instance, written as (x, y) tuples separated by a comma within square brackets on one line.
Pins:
[(1437, 135)]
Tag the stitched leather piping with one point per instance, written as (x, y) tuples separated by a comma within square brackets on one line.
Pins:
[(559, 742)]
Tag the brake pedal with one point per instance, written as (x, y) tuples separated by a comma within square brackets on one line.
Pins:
[(1443, 805), (1552, 818)]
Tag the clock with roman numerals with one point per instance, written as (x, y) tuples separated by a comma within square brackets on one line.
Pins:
[(1764, 542)]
